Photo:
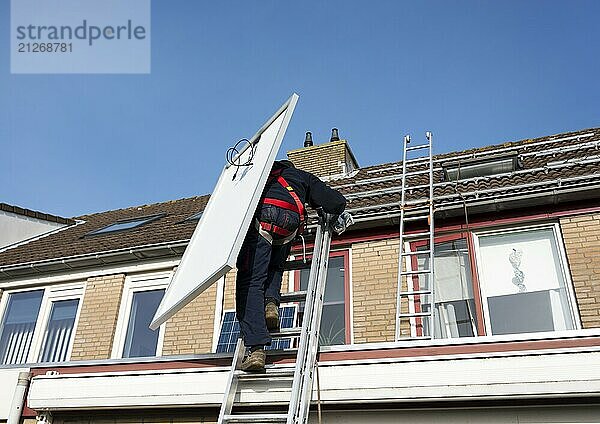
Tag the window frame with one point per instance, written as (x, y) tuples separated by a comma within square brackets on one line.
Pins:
[(54, 293), (563, 263), (416, 322), (348, 317), (135, 284), (479, 296)]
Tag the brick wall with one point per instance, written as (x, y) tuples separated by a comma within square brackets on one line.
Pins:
[(581, 235), (229, 294), (323, 159), (98, 318), (374, 282), (190, 331)]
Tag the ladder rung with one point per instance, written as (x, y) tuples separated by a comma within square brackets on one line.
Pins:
[(415, 315), (278, 352), (287, 332), (270, 373), (256, 418), (416, 235), (294, 265), (415, 293), (408, 209), (416, 218), (413, 173), (298, 296), (420, 146), (417, 187), (416, 160), (417, 272), (423, 201), (418, 252)]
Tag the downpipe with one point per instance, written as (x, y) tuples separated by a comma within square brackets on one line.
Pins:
[(16, 407)]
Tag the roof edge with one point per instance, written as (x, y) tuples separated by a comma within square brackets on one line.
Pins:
[(35, 214)]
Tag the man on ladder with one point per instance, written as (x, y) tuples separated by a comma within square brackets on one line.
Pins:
[(279, 218)]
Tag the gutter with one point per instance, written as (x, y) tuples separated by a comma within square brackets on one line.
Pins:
[(109, 257)]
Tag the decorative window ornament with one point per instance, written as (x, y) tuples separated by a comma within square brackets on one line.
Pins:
[(519, 276)]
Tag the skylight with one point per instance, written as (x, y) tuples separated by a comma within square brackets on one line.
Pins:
[(472, 168), (195, 217), (124, 225)]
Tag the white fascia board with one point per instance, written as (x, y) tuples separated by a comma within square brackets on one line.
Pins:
[(147, 266), (475, 379)]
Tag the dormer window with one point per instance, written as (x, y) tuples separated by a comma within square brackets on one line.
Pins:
[(125, 224), (480, 167)]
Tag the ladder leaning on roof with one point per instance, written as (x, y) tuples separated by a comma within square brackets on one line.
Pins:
[(415, 267), (306, 357)]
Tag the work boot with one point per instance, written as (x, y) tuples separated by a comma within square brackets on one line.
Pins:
[(255, 361), (272, 316)]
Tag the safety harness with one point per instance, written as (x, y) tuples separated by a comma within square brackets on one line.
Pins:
[(266, 228)]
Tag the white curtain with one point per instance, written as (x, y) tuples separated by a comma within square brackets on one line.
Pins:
[(59, 331), (16, 341)]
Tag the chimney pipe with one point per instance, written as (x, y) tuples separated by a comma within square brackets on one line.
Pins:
[(308, 139), (334, 135)]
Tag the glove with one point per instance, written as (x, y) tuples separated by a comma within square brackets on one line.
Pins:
[(344, 221)]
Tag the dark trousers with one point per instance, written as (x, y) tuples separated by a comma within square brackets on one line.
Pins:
[(259, 273)]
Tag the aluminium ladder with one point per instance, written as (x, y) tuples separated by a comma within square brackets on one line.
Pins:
[(415, 301), (306, 357)]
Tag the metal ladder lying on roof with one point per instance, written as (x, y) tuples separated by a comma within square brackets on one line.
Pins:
[(415, 278), (306, 357)]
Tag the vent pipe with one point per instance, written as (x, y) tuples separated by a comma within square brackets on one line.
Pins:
[(308, 139), (334, 135)]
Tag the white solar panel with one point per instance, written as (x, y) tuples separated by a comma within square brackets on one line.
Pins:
[(218, 238)]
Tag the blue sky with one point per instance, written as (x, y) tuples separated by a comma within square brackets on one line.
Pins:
[(473, 72)]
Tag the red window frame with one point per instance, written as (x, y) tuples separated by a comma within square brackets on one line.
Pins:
[(468, 236), (347, 321)]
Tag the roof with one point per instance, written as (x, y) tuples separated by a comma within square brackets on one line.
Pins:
[(35, 214), (565, 161), (559, 165), (72, 241)]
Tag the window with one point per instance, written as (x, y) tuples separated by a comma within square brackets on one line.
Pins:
[(38, 325), (123, 225), (230, 330), (520, 284), (455, 314), (141, 297), (479, 167), (59, 331), (195, 217), (335, 318), (140, 339), (18, 325), (523, 283)]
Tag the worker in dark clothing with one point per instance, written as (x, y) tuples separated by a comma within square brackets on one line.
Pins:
[(280, 216)]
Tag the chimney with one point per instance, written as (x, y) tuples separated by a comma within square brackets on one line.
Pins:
[(334, 135), (308, 139), (329, 160)]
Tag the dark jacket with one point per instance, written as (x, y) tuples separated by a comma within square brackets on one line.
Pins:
[(309, 188)]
